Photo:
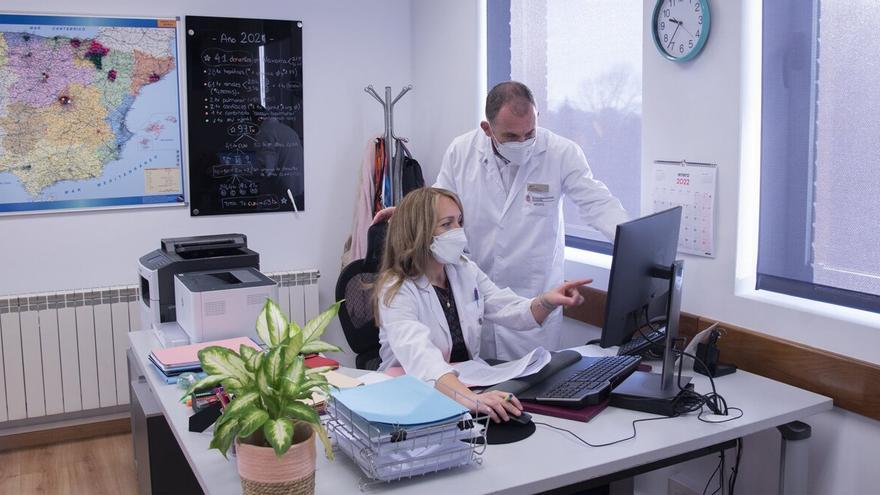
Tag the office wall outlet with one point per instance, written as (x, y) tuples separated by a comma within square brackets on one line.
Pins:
[(679, 487)]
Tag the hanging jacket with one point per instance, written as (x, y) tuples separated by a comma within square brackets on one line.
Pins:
[(410, 171), (356, 246)]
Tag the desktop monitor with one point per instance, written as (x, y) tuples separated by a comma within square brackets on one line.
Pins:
[(634, 290), (645, 274)]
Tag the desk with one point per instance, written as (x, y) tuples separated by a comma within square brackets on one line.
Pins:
[(548, 459)]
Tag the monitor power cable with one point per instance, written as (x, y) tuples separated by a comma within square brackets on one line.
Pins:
[(695, 401), (606, 443), (720, 468)]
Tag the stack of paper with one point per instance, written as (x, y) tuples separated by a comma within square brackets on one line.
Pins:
[(172, 361), (400, 428), (336, 380)]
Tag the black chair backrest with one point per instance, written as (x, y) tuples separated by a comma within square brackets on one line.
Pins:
[(355, 285)]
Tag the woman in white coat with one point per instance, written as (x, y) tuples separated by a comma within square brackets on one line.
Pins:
[(431, 300)]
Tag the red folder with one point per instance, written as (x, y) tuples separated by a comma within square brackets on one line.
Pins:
[(316, 361), (583, 414)]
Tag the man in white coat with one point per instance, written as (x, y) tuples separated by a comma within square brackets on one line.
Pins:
[(511, 176)]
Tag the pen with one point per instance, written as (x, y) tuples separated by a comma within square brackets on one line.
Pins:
[(476, 294)]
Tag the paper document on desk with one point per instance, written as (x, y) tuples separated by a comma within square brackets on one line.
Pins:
[(374, 377), (593, 350), (479, 374)]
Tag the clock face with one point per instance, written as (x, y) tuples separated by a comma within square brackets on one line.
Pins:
[(680, 28)]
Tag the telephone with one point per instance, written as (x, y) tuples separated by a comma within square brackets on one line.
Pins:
[(708, 353)]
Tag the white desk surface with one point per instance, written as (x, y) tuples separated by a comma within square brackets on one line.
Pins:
[(548, 459)]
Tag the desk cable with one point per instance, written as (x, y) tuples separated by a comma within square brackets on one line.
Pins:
[(695, 401), (720, 468), (690, 400), (607, 443)]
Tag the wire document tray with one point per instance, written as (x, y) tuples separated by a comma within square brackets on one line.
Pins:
[(387, 452)]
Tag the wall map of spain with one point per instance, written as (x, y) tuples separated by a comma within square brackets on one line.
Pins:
[(89, 113)]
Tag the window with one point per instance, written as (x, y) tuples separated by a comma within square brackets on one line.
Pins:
[(583, 61), (820, 185)]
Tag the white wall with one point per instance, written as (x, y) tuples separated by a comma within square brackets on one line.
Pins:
[(449, 76), (346, 45)]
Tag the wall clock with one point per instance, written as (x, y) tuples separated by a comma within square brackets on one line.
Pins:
[(680, 28)]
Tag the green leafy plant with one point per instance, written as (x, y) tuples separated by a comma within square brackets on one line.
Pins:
[(269, 389)]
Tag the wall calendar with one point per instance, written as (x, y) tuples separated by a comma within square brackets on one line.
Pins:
[(693, 187)]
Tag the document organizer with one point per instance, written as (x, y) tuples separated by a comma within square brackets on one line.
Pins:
[(386, 452)]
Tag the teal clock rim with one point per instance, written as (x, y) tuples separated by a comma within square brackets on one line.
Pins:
[(707, 28)]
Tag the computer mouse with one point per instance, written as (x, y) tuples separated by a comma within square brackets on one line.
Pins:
[(524, 418)]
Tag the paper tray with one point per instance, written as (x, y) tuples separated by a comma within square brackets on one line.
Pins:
[(387, 452), (404, 463), (384, 438)]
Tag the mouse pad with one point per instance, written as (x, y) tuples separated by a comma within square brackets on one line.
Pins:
[(509, 432)]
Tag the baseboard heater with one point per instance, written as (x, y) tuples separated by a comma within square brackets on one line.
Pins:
[(63, 353)]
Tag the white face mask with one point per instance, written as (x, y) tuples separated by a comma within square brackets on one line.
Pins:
[(518, 152), (448, 247)]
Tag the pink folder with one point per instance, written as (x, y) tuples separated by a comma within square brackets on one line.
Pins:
[(188, 354)]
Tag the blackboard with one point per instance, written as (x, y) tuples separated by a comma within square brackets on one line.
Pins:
[(245, 115)]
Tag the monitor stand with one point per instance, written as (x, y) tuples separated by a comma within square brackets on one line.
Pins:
[(641, 391), (651, 392)]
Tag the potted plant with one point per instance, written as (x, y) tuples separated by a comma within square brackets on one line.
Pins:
[(270, 416)]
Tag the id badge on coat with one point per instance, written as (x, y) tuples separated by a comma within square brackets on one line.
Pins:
[(539, 196)]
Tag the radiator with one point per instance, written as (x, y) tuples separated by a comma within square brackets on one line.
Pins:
[(64, 352)]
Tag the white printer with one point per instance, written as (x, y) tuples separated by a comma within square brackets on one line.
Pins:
[(157, 268), (221, 304)]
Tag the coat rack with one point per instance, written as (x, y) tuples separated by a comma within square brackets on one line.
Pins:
[(388, 108)]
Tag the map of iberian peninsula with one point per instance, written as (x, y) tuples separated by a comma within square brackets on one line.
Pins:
[(64, 100)]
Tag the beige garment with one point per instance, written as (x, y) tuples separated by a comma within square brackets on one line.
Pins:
[(355, 246)]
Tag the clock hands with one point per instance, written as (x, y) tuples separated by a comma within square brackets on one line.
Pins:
[(681, 25), (672, 38), (678, 24)]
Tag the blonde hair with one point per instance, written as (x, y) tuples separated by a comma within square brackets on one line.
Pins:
[(408, 241)]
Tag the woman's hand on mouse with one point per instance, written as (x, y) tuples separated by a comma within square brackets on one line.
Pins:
[(499, 405)]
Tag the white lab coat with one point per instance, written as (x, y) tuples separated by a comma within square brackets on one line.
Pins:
[(517, 238), (413, 331)]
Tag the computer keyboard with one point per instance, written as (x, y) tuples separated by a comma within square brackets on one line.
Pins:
[(640, 344), (591, 384)]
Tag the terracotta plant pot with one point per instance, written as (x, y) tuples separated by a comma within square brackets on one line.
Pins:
[(264, 473)]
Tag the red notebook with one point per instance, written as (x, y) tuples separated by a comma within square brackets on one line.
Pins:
[(316, 361), (583, 414)]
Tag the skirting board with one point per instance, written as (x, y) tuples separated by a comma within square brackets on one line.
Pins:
[(64, 431)]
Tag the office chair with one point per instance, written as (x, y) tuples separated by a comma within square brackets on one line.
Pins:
[(356, 312)]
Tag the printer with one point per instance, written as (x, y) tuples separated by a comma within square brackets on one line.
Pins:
[(221, 304), (157, 270)]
